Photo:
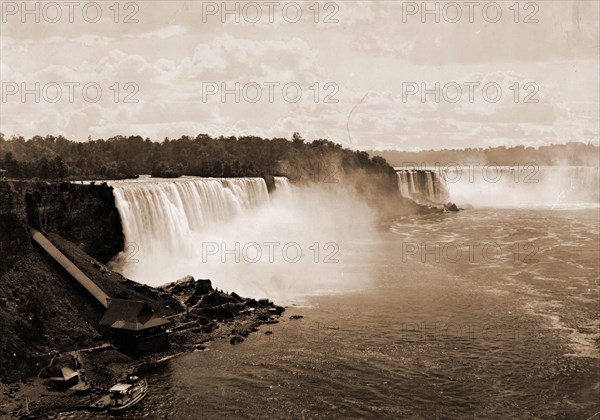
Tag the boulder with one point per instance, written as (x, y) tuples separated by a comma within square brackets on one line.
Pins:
[(225, 311), (277, 310), (203, 286), (236, 297), (215, 298), (251, 303), (451, 207), (192, 300), (236, 339)]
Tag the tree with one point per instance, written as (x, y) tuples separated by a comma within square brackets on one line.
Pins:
[(43, 168), (227, 170), (217, 169), (297, 140), (11, 165), (61, 168)]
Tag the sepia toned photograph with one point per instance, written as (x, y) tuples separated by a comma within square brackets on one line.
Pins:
[(302, 209)]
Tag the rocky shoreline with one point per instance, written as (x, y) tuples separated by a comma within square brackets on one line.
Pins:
[(207, 315)]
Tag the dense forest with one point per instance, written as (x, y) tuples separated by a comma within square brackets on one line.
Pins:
[(320, 160), (573, 154), (126, 157)]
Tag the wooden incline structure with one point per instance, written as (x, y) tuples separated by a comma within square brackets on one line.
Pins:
[(71, 268)]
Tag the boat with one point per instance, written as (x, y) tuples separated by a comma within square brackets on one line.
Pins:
[(125, 395), (100, 403)]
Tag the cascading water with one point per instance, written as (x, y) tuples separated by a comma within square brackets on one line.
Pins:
[(422, 186), (502, 186), (161, 214), (284, 246), (523, 186), (282, 185)]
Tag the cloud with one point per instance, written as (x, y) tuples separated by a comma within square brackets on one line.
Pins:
[(226, 58), (85, 40), (561, 29), (162, 33), (163, 61), (383, 44)]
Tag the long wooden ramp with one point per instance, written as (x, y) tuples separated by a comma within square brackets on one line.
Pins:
[(77, 274)]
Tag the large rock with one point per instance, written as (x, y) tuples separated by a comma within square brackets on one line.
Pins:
[(203, 286), (224, 311), (215, 298), (264, 302), (184, 286), (451, 207), (277, 310), (236, 339), (191, 290)]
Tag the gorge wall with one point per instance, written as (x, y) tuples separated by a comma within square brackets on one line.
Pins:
[(83, 214)]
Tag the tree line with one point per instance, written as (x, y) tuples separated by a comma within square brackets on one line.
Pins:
[(572, 154), (122, 157)]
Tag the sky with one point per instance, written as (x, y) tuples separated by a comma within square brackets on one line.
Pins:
[(367, 74)]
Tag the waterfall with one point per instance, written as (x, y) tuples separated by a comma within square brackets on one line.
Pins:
[(529, 185), (282, 185), (422, 186), (283, 246), (161, 215), (502, 186)]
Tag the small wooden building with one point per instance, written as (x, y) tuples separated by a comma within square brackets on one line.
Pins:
[(134, 325), (68, 378)]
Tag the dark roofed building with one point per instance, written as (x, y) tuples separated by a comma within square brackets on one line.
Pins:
[(134, 324), (68, 379)]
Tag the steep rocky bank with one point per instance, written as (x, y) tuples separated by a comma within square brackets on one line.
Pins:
[(43, 310), (14, 236), (40, 306)]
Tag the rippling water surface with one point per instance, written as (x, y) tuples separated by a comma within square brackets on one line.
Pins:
[(480, 314)]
